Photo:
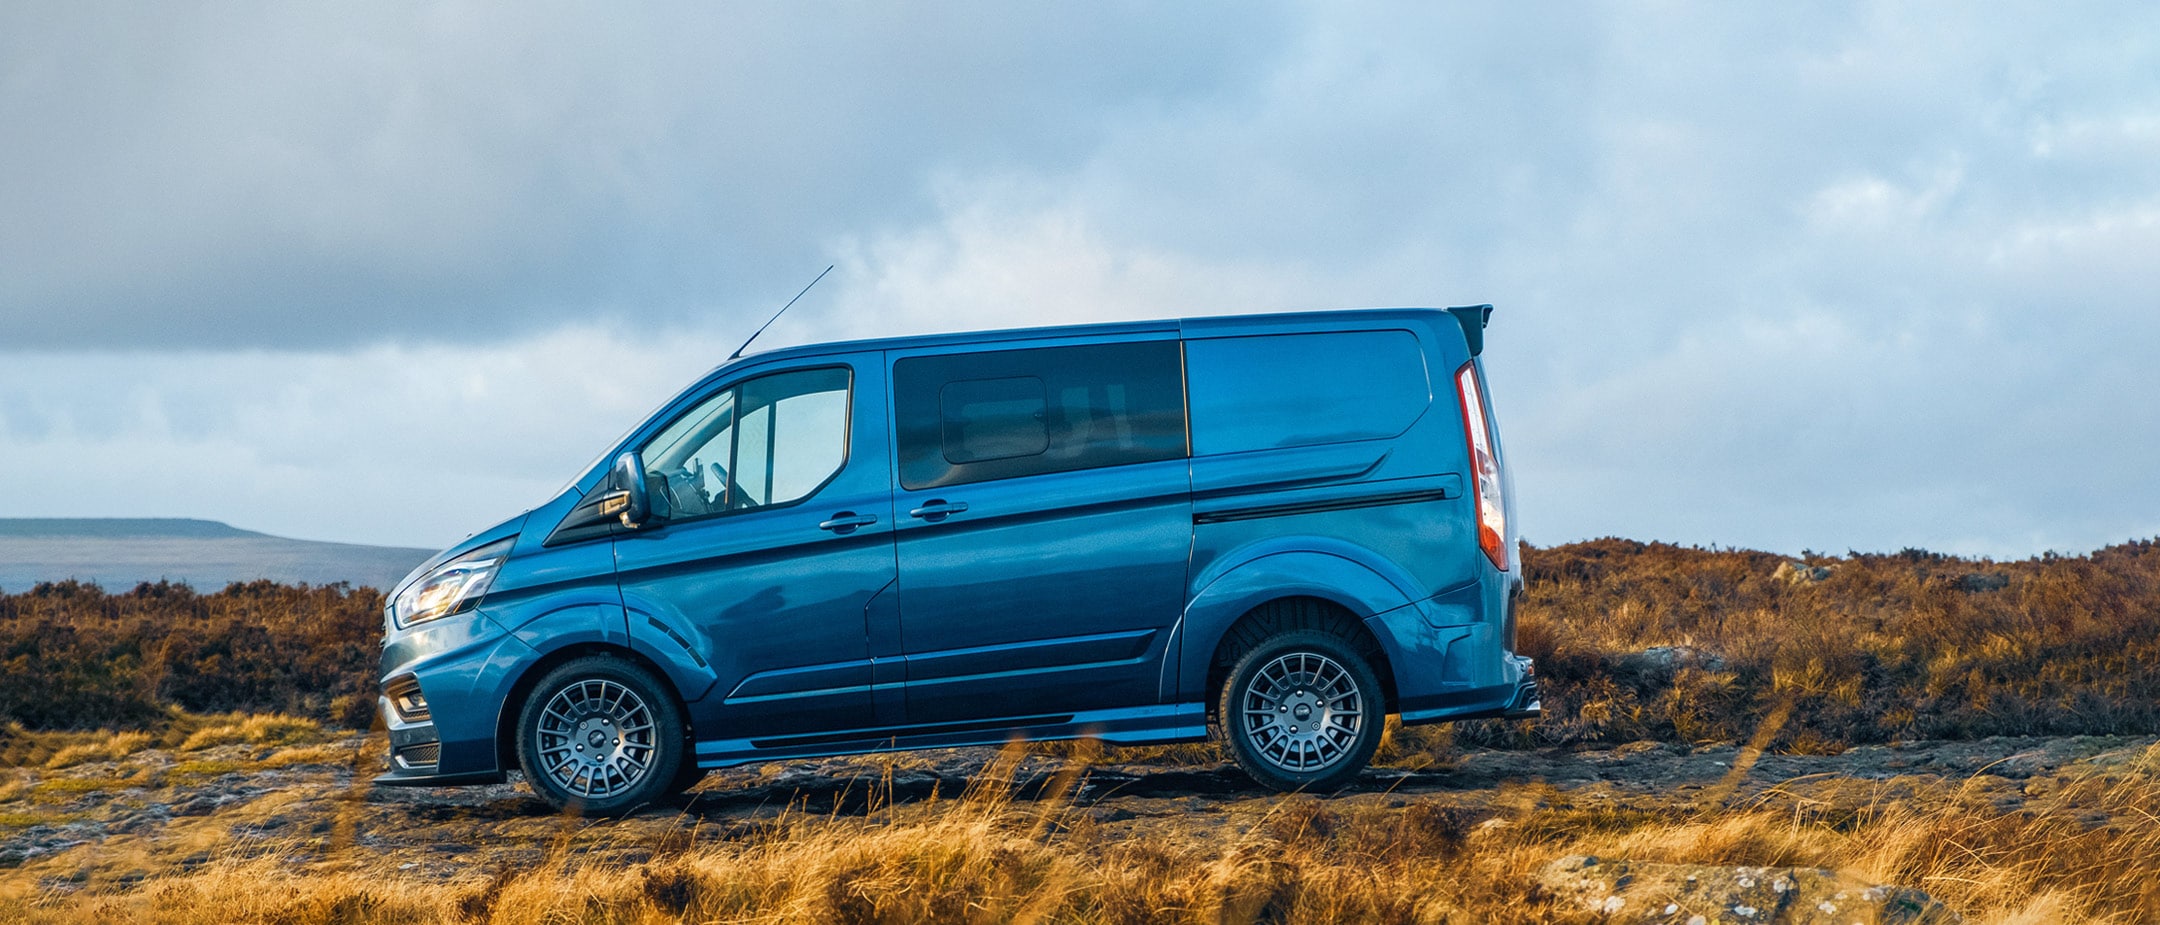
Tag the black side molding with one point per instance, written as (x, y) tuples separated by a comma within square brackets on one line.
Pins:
[(1314, 507), (1473, 319)]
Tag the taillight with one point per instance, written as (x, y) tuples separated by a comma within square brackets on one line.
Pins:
[(1484, 468)]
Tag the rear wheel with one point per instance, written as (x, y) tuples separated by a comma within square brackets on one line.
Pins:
[(1302, 711), (601, 736)]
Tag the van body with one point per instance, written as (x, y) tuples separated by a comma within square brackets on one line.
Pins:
[(1273, 528)]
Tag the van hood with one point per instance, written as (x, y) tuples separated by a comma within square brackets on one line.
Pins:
[(504, 530)]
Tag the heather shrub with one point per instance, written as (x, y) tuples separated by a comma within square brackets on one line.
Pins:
[(76, 657), (1847, 650), (1839, 650)]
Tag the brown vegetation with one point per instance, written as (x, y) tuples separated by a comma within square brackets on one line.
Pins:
[(1636, 644), (2079, 844), (1858, 649), (76, 657), (1847, 650)]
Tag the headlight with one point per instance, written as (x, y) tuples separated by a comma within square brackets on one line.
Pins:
[(453, 587)]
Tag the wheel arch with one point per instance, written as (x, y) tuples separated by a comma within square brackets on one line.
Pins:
[(513, 702), (1352, 587), (1287, 614)]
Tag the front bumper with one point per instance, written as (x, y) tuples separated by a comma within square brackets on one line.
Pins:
[(440, 699), (415, 755)]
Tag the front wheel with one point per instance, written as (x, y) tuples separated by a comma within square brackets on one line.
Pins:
[(601, 736), (1302, 711)]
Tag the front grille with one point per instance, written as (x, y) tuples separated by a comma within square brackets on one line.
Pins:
[(420, 756)]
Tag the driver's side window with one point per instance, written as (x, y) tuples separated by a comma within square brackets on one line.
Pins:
[(765, 442)]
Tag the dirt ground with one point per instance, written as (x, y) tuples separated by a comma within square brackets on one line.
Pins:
[(105, 826)]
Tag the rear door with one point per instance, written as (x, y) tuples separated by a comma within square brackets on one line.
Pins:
[(1043, 521)]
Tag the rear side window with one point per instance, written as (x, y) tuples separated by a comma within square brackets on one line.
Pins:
[(988, 419), (1283, 390), (1003, 414)]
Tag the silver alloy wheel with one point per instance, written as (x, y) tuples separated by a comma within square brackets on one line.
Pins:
[(596, 738), (1303, 711)]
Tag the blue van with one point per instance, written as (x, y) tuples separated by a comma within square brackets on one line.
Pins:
[(1275, 529)]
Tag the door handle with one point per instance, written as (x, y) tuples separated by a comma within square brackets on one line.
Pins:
[(846, 522), (939, 509)]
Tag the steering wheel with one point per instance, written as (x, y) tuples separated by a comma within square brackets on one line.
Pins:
[(736, 500)]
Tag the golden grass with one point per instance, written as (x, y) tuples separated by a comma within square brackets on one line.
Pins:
[(22, 820), (1885, 648), (269, 729), (111, 748), (206, 767), (309, 755), (2088, 851), (55, 749)]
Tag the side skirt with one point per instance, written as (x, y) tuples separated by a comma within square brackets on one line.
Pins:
[(1149, 725)]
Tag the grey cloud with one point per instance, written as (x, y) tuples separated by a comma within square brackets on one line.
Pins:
[(1852, 275), (1868, 277), (310, 175)]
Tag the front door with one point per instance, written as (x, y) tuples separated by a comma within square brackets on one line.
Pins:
[(772, 533), (1043, 523)]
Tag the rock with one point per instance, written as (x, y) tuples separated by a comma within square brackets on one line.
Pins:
[(1629, 891), (199, 806), (1660, 663), (1977, 583), (1794, 571)]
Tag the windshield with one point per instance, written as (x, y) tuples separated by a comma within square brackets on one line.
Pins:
[(608, 449)]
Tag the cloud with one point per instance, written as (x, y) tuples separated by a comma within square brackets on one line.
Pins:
[(1848, 276), (323, 176), (399, 445)]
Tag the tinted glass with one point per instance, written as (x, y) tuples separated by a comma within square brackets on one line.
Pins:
[(769, 441), (1009, 413), (986, 419), (1253, 393)]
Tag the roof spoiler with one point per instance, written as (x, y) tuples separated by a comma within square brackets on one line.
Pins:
[(1473, 319)]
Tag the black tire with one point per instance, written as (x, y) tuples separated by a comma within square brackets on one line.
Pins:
[(1318, 685), (601, 736)]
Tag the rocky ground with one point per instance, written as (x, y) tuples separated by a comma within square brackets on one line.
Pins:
[(105, 825)]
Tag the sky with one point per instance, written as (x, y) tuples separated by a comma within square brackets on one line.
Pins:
[(1829, 277)]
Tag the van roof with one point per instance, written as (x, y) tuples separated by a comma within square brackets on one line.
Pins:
[(1201, 325)]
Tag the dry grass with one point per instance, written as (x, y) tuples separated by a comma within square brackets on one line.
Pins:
[(1881, 648), (256, 730), (308, 755), (1878, 648), (110, 748), (172, 729), (1912, 645), (2087, 852)]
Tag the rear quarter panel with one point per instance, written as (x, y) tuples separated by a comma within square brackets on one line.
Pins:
[(1379, 525)]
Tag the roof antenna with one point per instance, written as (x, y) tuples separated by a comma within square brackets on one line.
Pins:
[(776, 315)]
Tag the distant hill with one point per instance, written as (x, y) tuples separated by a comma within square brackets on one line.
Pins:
[(118, 553)]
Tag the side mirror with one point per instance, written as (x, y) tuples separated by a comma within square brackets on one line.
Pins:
[(626, 497)]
